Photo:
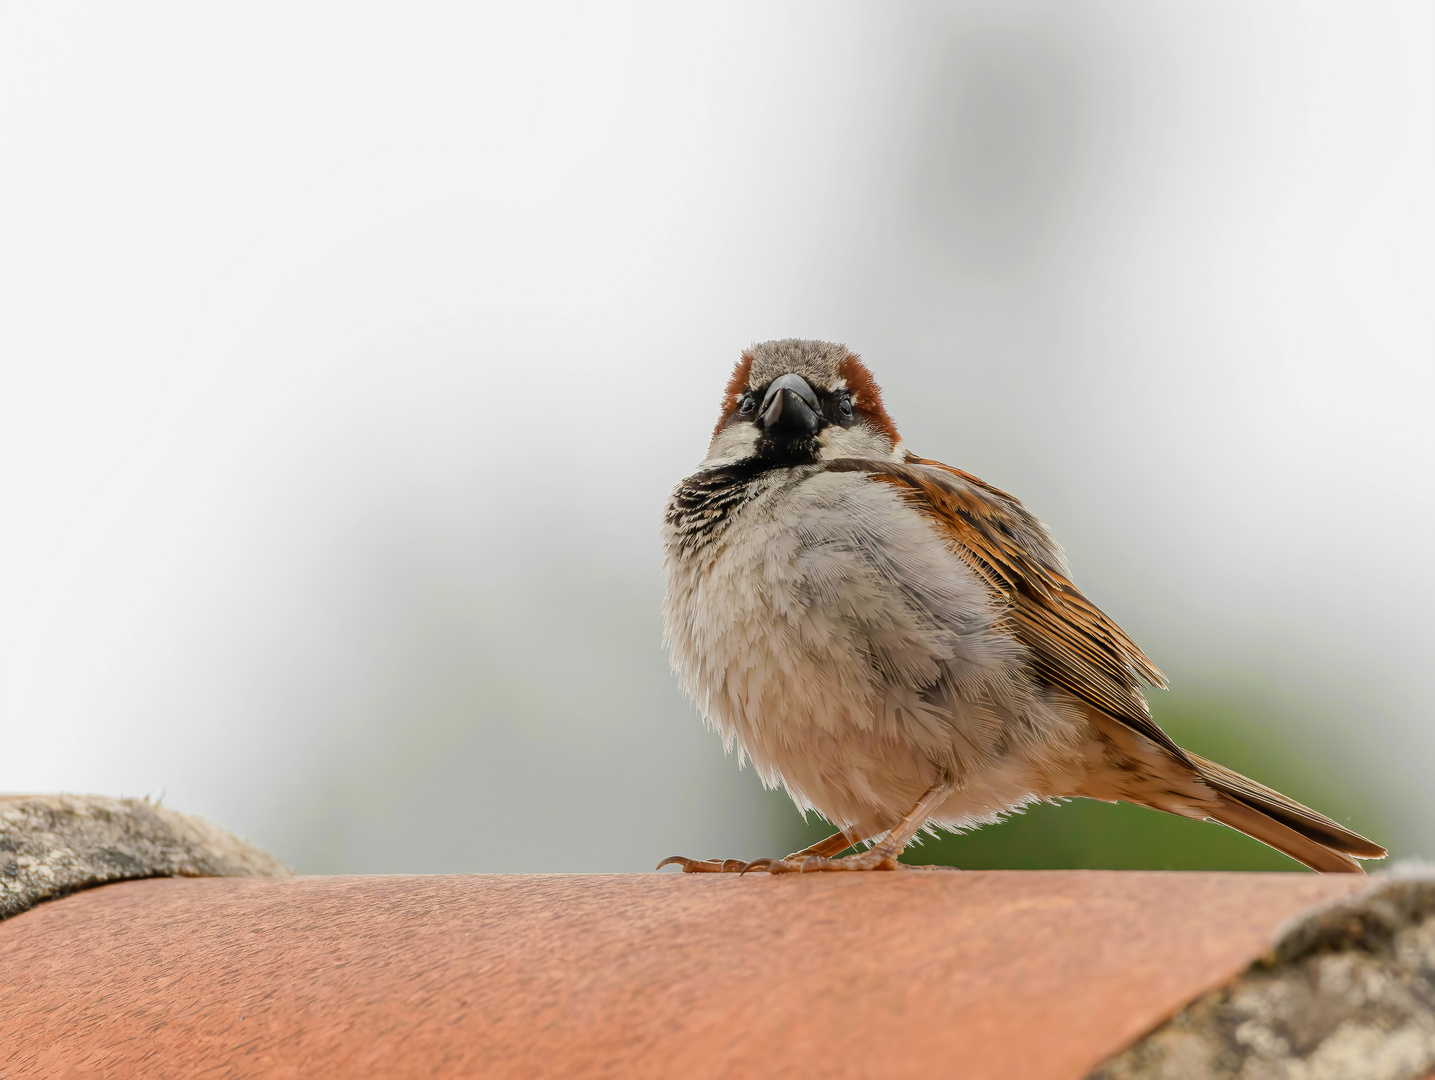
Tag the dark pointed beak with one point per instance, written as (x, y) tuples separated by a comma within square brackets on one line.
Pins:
[(790, 407)]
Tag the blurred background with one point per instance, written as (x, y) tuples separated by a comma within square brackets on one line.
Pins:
[(348, 353)]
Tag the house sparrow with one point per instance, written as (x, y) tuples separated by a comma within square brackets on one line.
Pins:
[(900, 645)]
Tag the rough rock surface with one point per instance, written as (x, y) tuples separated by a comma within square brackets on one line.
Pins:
[(53, 845), (1348, 993)]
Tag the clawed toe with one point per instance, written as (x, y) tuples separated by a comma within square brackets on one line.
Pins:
[(703, 866)]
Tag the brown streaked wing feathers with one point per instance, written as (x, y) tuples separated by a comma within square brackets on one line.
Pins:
[(1072, 642), (1074, 645)]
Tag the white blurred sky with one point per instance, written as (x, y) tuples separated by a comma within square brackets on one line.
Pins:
[(347, 354)]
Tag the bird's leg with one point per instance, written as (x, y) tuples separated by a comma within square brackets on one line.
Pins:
[(833, 845), (882, 856)]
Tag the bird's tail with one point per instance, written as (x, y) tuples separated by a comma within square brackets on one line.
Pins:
[(1284, 824)]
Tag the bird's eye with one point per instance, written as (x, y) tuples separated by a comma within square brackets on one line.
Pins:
[(844, 406), (746, 404)]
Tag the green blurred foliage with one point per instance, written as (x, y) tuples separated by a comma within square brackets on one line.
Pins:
[(1083, 834)]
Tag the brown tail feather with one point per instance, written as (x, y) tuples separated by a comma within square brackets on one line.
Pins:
[(1268, 830), (1283, 823)]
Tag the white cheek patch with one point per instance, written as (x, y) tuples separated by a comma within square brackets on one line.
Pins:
[(858, 441), (733, 443)]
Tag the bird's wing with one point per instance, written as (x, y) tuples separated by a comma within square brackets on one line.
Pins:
[(1073, 644)]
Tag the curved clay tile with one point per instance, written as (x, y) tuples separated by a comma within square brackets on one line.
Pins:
[(1000, 975)]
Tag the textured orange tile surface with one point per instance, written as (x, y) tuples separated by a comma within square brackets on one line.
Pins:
[(981, 975)]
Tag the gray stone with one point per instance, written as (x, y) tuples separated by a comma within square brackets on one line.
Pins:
[(1347, 993), (53, 845)]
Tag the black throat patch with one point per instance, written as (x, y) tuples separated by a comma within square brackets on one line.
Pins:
[(775, 450)]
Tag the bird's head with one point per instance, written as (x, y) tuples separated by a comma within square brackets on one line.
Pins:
[(794, 402)]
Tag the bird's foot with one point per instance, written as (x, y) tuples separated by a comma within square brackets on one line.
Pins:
[(832, 845), (820, 856), (867, 860), (877, 858), (797, 863), (704, 866)]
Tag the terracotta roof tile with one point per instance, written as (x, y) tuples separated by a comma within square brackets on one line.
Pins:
[(1001, 975)]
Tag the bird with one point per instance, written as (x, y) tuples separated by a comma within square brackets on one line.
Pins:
[(900, 645)]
